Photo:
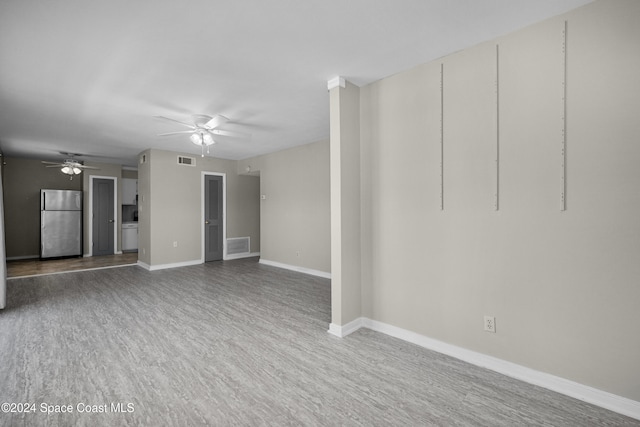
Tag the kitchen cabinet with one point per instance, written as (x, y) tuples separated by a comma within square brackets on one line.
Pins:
[(129, 191), (129, 236)]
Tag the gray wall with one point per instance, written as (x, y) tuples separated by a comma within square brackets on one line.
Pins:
[(295, 216), (129, 174), (563, 285), (248, 210), (23, 179), (170, 207), (144, 207)]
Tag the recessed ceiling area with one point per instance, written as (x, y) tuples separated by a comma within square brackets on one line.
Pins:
[(89, 77)]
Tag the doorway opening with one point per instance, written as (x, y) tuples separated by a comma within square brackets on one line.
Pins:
[(103, 214), (214, 216)]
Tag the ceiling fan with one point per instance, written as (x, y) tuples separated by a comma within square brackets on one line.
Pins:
[(69, 166), (203, 129)]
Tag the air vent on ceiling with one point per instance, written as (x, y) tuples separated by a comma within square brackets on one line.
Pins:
[(187, 161), (238, 245)]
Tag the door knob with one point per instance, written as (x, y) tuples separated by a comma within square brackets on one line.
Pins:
[(110, 221), (206, 222)]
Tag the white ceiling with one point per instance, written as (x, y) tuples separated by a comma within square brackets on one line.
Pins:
[(88, 76)]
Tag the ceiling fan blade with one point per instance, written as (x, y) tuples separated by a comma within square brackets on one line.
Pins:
[(72, 155), (200, 119), (176, 133), (229, 133), (86, 167), (176, 121), (50, 163), (216, 121), (57, 165)]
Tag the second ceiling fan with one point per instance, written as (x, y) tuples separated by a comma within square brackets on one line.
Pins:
[(203, 129)]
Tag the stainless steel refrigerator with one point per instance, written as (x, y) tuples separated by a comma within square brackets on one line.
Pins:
[(60, 223)]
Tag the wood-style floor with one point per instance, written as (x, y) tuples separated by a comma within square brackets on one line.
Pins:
[(236, 343), (34, 267)]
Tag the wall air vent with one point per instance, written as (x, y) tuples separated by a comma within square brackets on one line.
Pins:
[(187, 161), (238, 245)]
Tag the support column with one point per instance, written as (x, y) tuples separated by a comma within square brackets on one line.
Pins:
[(346, 298)]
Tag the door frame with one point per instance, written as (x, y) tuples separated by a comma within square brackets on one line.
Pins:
[(115, 213), (224, 213)]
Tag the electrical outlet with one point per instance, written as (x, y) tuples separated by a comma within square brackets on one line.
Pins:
[(490, 324), (175, 244), (297, 253)]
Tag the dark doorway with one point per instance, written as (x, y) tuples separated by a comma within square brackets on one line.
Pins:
[(103, 220), (213, 218)]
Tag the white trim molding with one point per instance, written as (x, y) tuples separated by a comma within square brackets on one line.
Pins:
[(304, 270), (603, 399), (144, 265), (337, 81), (242, 255), (349, 328), (170, 265)]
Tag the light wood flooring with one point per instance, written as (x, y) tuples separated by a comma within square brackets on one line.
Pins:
[(237, 343), (34, 267)]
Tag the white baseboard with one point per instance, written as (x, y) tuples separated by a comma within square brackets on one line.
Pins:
[(612, 402), (171, 265), (304, 270), (244, 255), (343, 331), (188, 263)]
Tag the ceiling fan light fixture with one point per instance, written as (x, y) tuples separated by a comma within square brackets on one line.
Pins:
[(71, 169), (208, 139), (196, 138), (202, 138), (203, 129)]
